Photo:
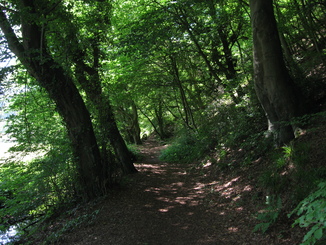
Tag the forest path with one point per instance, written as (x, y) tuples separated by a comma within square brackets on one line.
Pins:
[(172, 204)]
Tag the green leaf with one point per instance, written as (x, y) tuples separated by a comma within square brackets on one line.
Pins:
[(318, 233), (309, 233), (263, 227)]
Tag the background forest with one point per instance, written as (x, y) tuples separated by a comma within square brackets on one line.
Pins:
[(91, 80)]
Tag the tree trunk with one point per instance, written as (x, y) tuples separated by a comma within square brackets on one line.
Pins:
[(160, 120), (108, 125), (188, 119), (135, 124), (60, 87), (273, 84), (117, 141), (77, 119), (156, 128)]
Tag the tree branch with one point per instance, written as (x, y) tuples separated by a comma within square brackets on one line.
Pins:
[(15, 46)]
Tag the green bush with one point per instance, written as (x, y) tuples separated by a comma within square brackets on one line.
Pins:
[(135, 152), (40, 187), (271, 214), (306, 173), (183, 150), (290, 169), (37, 188), (312, 213), (272, 181), (220, 127)]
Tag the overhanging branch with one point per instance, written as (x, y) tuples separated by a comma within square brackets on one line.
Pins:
[(15, 46)]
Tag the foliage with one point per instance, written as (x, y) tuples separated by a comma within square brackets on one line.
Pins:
[(183, 150), (270, 215), (311, 212), (237, 129), (70, 225), (186, 66), (223, 127), (36, 187), (294, 172), (135, 152), (291, 166), (32, 124)]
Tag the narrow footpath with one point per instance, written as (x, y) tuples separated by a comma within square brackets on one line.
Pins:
[(174, 204)]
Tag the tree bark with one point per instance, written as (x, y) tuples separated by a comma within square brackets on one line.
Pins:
[(34, 56), (135, 124), (108, 125), (188, 119), (160, 120), (118, 143), (273, 84)]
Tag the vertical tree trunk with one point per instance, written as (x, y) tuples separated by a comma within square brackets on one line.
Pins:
[(135, 124), (274, 86), (188, 119), (160, 120)]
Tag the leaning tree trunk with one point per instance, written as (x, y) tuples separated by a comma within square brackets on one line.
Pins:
[(273, 84), (117, 141), (108, 125), (33, 55), (77, 119)]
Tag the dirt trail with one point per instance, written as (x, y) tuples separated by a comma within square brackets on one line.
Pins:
[(168, 204)]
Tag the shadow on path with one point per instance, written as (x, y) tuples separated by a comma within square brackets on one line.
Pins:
[(168, 204)]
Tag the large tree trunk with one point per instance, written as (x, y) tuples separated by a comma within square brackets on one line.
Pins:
[(34, 56), (117, 141), (274, 86), (108, 126), (77, 119)]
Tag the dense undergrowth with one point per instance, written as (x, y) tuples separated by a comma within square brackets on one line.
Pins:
[(292, 178), (225, 127)]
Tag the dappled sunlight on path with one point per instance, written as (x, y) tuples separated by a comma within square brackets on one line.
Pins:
[(174, 204)]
